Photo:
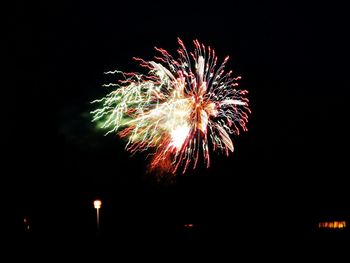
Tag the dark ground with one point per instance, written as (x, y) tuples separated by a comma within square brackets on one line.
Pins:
[(288, 172)]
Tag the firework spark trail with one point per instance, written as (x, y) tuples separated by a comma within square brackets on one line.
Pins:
[(180, 109)]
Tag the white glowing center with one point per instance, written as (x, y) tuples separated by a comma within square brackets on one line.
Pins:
[(178, 136)]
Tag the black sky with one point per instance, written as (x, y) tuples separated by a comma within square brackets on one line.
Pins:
[(290, 167)]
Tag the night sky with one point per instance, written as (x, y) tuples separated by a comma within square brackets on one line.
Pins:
[(288, 172)]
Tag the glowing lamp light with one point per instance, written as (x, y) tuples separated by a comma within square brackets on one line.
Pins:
[(97, 204)]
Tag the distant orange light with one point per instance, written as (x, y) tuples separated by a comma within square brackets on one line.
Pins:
[(188, 225), (332, 224)]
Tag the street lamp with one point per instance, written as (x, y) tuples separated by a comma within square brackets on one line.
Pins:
[(97, 205)]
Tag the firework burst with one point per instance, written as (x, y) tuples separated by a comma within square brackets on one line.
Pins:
[(183, 109)]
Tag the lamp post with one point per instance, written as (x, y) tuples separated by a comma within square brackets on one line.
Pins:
[(97, 205)]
